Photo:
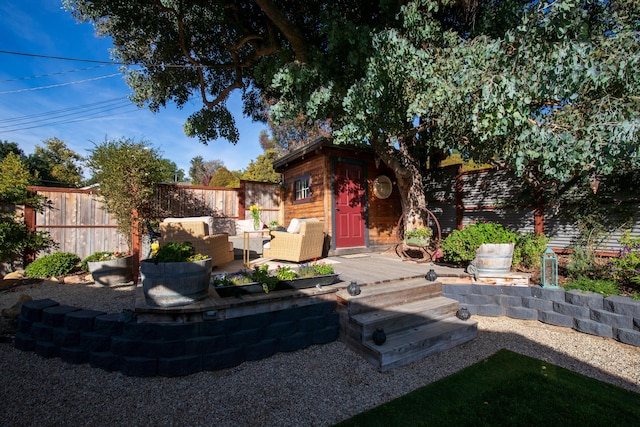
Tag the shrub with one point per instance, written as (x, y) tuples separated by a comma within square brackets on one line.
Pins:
[(101, 256), (528, 250), (56, 264), (601, 286), (625, 268), (460, 246), (178, 252), (581, 262), (17, 239)]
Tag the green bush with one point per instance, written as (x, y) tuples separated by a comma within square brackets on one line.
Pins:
[(460, 246), (581, 262), (601, 286), (56, 264), (625, 267), (178, 252), (528, 250), (17, 239)]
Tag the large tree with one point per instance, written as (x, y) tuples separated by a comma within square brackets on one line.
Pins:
[(549, 88)]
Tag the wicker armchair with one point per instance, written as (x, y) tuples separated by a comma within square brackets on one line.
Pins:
[(296, 247), (216, 245)]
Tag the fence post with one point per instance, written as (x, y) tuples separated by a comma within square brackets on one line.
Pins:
[(135, 245), (538, 213), (30, 221), (459, 186), (241, 198)]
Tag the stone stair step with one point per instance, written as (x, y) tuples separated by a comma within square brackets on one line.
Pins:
[(405, 316), (381, 296), (409, 345)]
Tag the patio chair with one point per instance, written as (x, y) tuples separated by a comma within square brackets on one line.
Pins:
[(304, 245), (217, 246)]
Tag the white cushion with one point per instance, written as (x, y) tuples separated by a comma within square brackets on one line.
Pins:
[(267, 245), (294, 226)]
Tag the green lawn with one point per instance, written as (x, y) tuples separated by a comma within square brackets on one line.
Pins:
[(509, 389)]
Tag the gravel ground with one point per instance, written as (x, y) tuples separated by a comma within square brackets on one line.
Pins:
[(318, 386)]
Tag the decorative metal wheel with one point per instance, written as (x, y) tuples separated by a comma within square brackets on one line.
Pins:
[(417, 253)]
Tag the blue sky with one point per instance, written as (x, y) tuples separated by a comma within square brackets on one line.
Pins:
[(87, 102)]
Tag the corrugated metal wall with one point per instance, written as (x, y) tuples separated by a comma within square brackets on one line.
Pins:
[(499, 196)]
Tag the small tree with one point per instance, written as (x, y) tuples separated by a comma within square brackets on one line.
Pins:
[(128, 173), (17, 240)]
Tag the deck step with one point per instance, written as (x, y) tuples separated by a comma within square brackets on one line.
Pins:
[(416, 343), (383, 295), (417, 320), (404, 316)]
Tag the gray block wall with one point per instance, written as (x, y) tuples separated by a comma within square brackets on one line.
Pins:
[(588, 312), (113, 342)]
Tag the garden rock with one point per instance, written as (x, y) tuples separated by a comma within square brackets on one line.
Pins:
[(14, 311)]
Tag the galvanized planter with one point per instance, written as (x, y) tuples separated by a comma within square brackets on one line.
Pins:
[(309, 282), (493, 258), (113, 271), (170, 284)]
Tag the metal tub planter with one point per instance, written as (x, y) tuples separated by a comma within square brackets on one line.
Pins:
[(171, 284)]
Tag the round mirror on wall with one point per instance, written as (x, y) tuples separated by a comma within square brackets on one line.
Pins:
[(382, 187)]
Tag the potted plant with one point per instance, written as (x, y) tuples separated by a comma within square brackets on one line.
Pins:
[(109, 268), (275, 225), (308, 275), (418, 236), (249, 281), (175, 276)]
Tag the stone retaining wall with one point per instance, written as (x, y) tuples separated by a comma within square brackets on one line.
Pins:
[(114, 343), (612, 317)]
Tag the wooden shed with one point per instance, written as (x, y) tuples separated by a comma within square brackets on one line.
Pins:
[(348, 188)]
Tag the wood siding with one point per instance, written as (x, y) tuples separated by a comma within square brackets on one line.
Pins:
[(382, 214)]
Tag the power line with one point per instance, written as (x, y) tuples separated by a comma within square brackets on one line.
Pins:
[(15, 121), (60, 84), (78, 107), (96, 61), (52, 74), (64, 122)]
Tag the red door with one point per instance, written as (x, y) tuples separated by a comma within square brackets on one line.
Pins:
[(349, 205)]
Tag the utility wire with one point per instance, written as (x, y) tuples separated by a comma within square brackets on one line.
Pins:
[(60, 84), (63, 110), (56, 116), (64, 122), (53, 74), (96, 61)]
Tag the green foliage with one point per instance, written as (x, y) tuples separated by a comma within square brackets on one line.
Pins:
[(101, 256), (232, 279), (262, 169), (602, 286), (55, 264), (528, 250), (460, 246), (128, 173), (422, 232), (284, 272), (315, 269), (625, 268), (261, 274), (201, 172), (581, 261), (223, 177), (17, 240), (178, 252), (56, 165), (14, 180)]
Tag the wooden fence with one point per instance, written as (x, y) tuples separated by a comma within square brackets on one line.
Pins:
[(78, 222)]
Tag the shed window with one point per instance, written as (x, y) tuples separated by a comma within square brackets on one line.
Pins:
[(302, 190)]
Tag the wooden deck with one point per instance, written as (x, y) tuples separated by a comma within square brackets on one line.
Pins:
[(372, 268)]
